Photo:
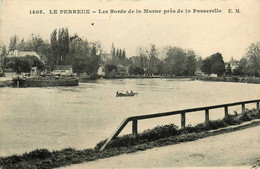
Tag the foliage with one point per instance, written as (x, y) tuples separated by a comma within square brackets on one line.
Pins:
[(3, 59), (24, 64), (214, 64), (60, 42), (13, 43), (175, 61), (253, 59), (228, 70), (132, 69)]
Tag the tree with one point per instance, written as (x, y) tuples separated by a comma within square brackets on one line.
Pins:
[(214, 64), (206, 65), (79, 55), (175, 61), (152, 56), (113, 51), (191, 62), (242, 67), (123, 54), (24, 64), (13, 43), (63, 45), (23, 46), (59, 46), (253, 59), (54, 49), (94, 60), (3, 59), (228, 70), (35, 42), (218, 65)]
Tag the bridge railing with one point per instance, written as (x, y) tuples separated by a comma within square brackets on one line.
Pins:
[(135, 119)]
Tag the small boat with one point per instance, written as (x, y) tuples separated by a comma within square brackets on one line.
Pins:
[(126, 94)]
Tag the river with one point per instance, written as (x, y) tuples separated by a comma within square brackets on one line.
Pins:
[(79, 117)]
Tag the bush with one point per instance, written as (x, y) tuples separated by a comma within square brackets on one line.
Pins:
[(232, 79), (39, 154), (215, 124), (159, 132), (231, 120)]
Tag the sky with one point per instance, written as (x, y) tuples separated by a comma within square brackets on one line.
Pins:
[(205, 33)]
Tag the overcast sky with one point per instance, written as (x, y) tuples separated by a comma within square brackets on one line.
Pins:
[(229, 34)]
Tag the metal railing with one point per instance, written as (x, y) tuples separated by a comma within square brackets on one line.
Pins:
[(135, 119)]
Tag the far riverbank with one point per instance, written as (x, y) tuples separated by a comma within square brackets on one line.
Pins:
[(88, 78), (254, 80)]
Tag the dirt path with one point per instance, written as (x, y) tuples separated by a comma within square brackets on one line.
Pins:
[(240, 148)]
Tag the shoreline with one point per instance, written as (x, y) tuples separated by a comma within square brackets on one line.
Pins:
[(123, 144), (86, 79)]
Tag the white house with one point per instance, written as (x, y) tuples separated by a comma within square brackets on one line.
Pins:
[(17, 53), (101, 71), (63, 70)]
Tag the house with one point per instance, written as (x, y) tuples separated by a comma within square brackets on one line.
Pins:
[(121, 70), (198, 72), (17, 53), (62, 70), (233, 64), (101, 71), (106, 56)]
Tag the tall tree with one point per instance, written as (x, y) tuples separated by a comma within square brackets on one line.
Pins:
[(175, 61), (191, 62), (60, 45), (152, 55), (253, 59), (54, 49), (3, 59), (123, 54), (13, 43), (214, 64), (113, 50)]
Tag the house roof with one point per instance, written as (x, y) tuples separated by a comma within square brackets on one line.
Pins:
[(17, 53)]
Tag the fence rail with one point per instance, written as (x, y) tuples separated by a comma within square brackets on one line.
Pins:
[(135, 119)]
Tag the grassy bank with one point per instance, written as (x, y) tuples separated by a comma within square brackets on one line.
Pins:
[(158, 136), (254, 80)]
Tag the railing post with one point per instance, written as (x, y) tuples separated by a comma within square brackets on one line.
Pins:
[(226, 111), (207, 116), (257, 108), (243, 108), (183, 120), (134, 127)]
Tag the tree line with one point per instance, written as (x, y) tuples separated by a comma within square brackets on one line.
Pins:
[(85, 57)]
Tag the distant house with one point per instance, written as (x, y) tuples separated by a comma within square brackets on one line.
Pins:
[(198, 72), (106, 56), (121, 70), (213, 75), (17, 53), (233, 63), (101, 71), (62, 70)]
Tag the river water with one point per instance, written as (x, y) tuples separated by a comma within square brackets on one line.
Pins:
[(79, 117)]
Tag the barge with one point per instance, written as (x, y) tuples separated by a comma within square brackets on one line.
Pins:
[(44, 81)]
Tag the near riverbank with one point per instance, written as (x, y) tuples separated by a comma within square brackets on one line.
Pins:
[(157, 137), (229, 150)]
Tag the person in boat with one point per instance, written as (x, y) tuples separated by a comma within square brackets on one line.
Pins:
[(131, 93), (116, 92), (127, 93)]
